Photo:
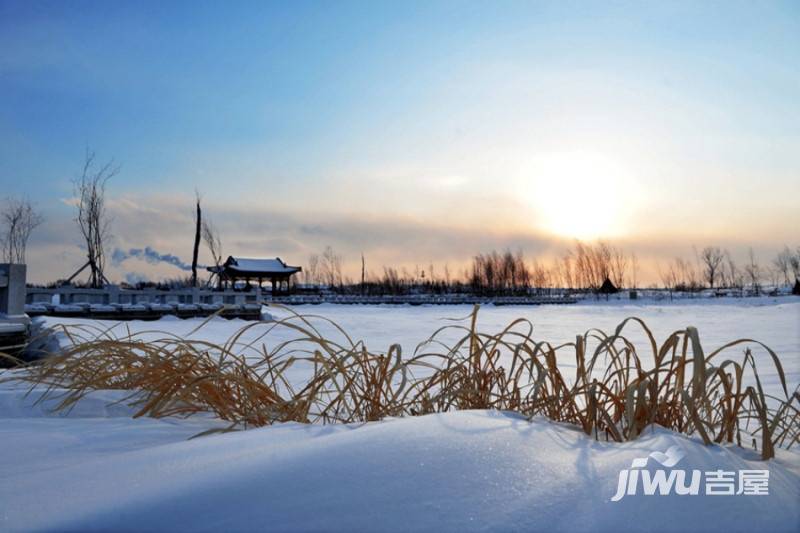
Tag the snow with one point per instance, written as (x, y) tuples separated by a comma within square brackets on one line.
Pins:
[(11, 328), (96, 468), (467, 470), (266, 266), (775, 322)]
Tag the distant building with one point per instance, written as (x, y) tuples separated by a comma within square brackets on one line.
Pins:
[(259, 270), (608, 287)]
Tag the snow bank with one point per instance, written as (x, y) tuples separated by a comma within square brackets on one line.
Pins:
[(471, 470)]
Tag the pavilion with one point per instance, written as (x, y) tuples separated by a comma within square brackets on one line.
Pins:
[(260, 270)]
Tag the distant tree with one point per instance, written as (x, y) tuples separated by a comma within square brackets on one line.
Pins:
[(212, 240), (523, 274), (668, 277), (92, 218), (681, 275), (567, 271), (540, 276), (618, 266), (753, 271), (711, 257), (331, 267), (794, 263), (589, 265), (18, 219), (363, 272), (732, 273), (775, 275), (391, 282), (311, 273), (783, 263), (591, 268)]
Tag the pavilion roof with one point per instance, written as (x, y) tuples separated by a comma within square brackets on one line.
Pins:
[(256, 267)]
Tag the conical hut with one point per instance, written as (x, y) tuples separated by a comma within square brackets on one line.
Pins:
[(608, 287)]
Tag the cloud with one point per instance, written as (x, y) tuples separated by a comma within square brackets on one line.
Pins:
[(146, 224), (69, 202)]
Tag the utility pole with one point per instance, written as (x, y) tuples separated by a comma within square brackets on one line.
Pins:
[(363, 272)]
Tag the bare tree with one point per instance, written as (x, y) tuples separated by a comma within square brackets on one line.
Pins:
[(783, 263), (688, 274), (711, 257), (92, 218), (198, 223), (775, 275), (669, 277), (753, 271), (540, 276), (585, 267), (794, 263), (495, 273), (212, 240), (589, 265), (731, 274), (331, 267), (18, 219), (567, 271), (618, 266), (680, 275), (311, 273)]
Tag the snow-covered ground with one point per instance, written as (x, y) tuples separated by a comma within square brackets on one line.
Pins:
[(99, 469), (471, 470), (773, 321)]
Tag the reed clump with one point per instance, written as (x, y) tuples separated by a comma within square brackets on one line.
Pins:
[(602, 382)]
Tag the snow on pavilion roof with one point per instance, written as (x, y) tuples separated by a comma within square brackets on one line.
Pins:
[(253, 266)]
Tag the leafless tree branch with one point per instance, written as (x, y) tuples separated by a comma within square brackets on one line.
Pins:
[(92, 217), (18, 219)]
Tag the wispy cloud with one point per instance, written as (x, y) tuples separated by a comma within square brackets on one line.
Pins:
[(146, 225)]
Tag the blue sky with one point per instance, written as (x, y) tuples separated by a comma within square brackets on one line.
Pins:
[(439, 122)]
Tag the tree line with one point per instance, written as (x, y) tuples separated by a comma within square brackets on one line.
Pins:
[(583, 267), (715, 268)]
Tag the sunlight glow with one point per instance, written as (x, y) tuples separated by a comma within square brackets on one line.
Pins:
[(582, 195)]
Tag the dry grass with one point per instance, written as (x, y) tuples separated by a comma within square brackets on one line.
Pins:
[(601, 382)]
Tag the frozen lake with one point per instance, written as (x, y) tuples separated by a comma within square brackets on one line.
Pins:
[(775, 322)]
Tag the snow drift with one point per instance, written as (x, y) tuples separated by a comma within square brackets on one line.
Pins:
[(469, 470)]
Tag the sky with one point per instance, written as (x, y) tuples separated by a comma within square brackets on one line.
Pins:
[(414, 132)]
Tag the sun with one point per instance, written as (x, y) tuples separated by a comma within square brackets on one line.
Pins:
[(581, 195)]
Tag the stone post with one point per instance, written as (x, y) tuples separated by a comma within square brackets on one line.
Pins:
[(12, 290)]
